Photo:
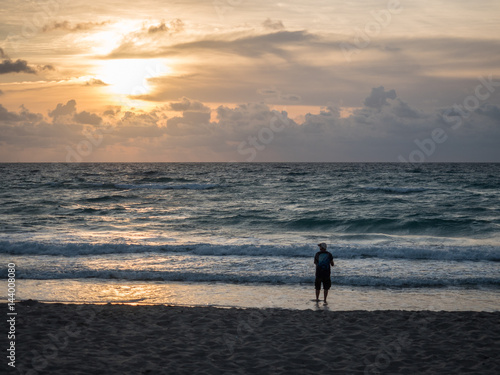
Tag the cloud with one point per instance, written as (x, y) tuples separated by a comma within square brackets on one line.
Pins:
[(268, 92), (112, 111), (85, 117), (290, 97), (490, 110), (404, 110), (63, 109), (24, 115), (156, 29), (7, 65), (46, 67), (68, 26), (272, 94), (187, 105), (246, 119), (7, 116), (1, 92), (378, 97), (95, 82), (66, 112), (273, 25), (191, 123), (253, 46), (311, 66), (173, 26), (380, 132), (18, 66)]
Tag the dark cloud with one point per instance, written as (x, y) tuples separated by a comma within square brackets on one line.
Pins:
[(18, 66), (1, 92), (26, 115), (187, 105), (85, 117), (273, 25), (490, 110), (402, 109), (23, 115), (112, 111), (135, 126), (245, 118), (7, 116), (7, 65), (68, 26), (64, 109), (157, 29), (378, 97), (68, 112), (189, 124)]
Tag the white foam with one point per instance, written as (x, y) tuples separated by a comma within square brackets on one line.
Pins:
[(425, 281), (342, 251)]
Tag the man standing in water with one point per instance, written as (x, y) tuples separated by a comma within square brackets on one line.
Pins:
[(323, 260)]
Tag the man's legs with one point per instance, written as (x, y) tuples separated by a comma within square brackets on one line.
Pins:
[(317, 286), (327, 284)]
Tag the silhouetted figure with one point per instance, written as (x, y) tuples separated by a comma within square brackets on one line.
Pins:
[(323, 260)]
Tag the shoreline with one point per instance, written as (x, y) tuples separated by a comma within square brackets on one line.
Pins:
[(60, 338), (294, 297)]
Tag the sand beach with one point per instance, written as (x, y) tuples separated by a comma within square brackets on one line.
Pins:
[(54, 338)]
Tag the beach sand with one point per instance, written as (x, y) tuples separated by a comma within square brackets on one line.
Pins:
[(124, 339)]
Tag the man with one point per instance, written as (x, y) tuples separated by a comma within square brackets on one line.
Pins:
[(323, 260)]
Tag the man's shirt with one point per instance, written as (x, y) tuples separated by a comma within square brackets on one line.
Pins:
[(322, 260)]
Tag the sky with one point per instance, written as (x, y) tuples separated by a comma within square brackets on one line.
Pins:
[(249, 81)]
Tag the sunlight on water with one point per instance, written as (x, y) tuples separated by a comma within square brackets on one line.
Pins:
[(260, 296)]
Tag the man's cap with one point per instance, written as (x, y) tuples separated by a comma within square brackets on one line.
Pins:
[(322, 245)]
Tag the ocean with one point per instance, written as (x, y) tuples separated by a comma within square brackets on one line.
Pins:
[(238, 234)]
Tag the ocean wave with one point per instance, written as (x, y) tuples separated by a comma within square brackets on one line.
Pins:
[(394, 190), (354, 251), (397, 224), (155, 185), (239, 278), (106, 198), (192, 186)]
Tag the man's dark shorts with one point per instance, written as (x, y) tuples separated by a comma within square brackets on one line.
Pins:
[(327, 282)]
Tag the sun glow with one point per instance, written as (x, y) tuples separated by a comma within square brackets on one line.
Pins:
[(131, 76)]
